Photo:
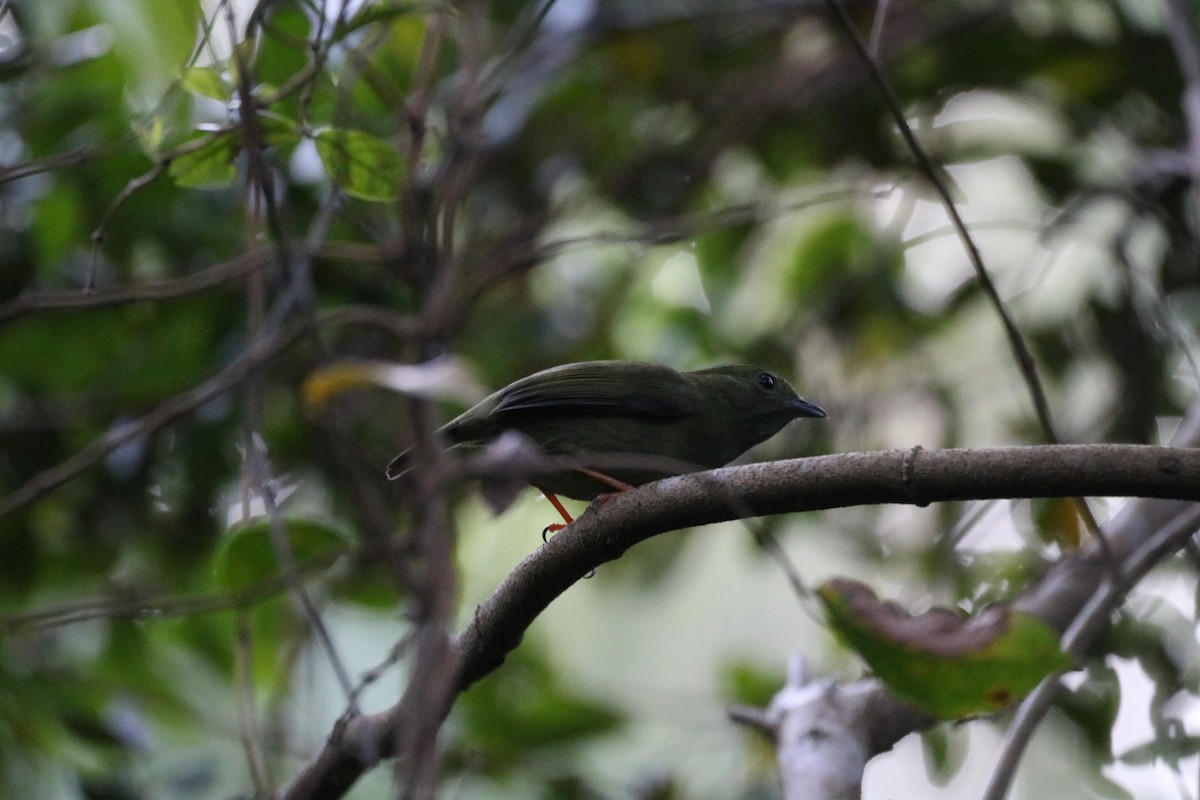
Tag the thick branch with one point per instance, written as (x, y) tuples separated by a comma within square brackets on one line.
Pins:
[(607, 530), (916, 477)]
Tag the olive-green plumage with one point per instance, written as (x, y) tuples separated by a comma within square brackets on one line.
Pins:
[(705, 418)]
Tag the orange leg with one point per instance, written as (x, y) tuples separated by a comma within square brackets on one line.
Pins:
[(620, 486), (556, 526)]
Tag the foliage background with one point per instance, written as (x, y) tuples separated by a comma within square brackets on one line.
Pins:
[(528, 184)]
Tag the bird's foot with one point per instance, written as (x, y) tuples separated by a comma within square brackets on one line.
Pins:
[(553, 527)]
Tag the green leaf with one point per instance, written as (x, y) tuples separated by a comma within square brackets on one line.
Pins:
[(59, 223), (363, 165), (207, 162), (951, 666), (206, 82), (247, 555)]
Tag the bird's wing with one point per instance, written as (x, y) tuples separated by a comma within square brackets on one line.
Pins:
[(638, 389)]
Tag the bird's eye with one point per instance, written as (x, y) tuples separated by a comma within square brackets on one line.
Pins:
[(766, 380)]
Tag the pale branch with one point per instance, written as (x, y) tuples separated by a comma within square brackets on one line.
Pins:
[(914, 477), (819, 729)]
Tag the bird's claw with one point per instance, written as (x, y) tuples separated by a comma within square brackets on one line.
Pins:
[(555, 527)]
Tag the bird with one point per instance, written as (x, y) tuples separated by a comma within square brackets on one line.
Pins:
[(643, 421)]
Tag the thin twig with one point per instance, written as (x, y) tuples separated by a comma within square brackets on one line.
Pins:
[(261, 481), (1016, 340), (260, 350), (1181, 29), (173, 288), (80, 155), (297, 293), (932, 172), (209, 277), (1075, 642), (134, 606), (259, 179), (248, 728), (665, 230), (135, 185)]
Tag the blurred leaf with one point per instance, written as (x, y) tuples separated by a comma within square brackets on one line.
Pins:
[(360, 164), (944, 750), (278, 130), (135, 354), (443, 378), (58, 224), (368, 14), (207, 82), (154, 33), (1174, 748), (370, 584), (524, 709), (150, 134), (572, 787), (206, 162), (948, 665), (247, 555), (1093, 705), (839, 243), (1106, 787), (1057, 520), (745, 684)]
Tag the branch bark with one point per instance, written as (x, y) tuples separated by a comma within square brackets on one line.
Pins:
[(913, 477)]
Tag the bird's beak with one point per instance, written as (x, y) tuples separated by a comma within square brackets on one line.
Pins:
[(803, 408)]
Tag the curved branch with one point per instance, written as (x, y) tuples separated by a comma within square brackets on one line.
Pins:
[(915, 477), (170, 289)]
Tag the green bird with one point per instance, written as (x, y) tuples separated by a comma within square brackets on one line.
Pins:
[(647, 421)]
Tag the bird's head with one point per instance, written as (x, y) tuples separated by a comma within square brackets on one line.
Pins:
[(753, 398)]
